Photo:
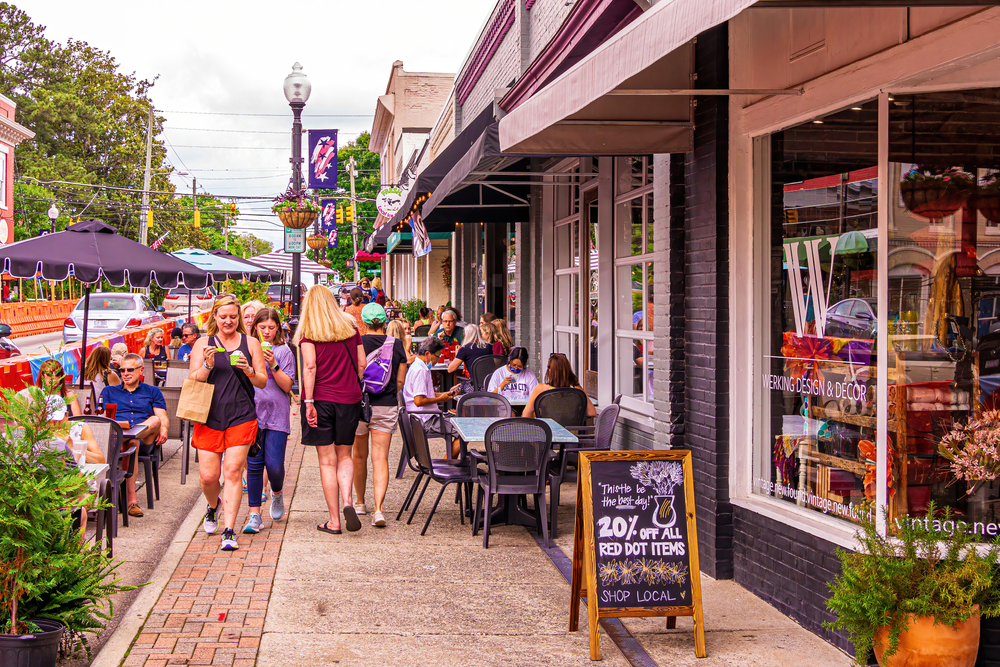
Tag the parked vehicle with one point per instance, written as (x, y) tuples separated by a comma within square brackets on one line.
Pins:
[(852, 318), (110, 312), (343, 292), (7, 347), (274, 292), (177, 298)]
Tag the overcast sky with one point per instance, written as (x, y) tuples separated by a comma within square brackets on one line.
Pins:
[(217, 56)]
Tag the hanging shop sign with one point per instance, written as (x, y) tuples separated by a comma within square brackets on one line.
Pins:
[(295, 240), (635, 544), (322, 159), (389, 201)]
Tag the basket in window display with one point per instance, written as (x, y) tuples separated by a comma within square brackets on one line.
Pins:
[(936, 195)]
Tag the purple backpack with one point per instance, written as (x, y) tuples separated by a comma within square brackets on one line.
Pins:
[(379, 368)]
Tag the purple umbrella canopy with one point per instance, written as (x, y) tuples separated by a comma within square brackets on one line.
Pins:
[(91, 250)]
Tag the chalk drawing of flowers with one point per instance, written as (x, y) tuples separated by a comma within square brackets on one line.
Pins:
[(664, 476)]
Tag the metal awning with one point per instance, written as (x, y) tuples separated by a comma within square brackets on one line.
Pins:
[(401, 243), (630, 96)]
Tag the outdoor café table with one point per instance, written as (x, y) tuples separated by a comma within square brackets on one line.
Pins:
[(93, 469), (447, 379), (473, 429)]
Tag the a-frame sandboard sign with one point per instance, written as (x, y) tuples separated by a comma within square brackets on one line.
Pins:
[(635, 545)]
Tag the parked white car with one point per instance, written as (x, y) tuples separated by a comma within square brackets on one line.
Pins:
[(110, 312)]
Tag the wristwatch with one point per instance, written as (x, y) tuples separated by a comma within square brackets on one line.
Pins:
[(275, 368), (308, 400)]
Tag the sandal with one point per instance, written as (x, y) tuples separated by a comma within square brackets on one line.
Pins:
[(351, 519), (325, 528)]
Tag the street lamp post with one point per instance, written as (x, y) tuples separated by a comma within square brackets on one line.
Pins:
[(297, 89), (53, 213)]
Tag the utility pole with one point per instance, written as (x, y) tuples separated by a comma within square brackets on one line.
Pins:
[(225, 230), (194, 202), (352, 171), (147, 178)]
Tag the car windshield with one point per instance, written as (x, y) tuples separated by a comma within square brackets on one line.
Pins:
[(105, 302)]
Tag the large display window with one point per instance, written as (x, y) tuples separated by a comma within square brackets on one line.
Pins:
[(818, 442)]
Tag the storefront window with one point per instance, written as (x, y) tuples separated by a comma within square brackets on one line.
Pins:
[(816, 443), (944, 282), (634, 279), (511, 276), (567, 269)]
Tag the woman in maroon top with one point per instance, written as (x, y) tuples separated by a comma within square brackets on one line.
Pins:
[(333, 359)]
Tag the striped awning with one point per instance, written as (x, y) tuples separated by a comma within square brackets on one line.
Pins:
[(279, 260)]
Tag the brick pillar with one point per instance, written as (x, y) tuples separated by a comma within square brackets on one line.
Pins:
[(528, 238), (706, 312)]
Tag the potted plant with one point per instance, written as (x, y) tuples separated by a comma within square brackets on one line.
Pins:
[(988, 198), (916, 597), (50, 580), (935, 195), (973, 450), (316, 241), (295, 209)]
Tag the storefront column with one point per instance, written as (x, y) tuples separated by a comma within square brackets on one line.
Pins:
[(528, 272)]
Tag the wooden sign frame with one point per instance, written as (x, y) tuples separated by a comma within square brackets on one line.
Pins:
[(584, 579)]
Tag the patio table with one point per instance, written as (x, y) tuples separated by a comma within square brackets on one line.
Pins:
[(93, 469)]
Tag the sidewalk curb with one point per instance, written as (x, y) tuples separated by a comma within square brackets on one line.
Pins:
[(120, 643)]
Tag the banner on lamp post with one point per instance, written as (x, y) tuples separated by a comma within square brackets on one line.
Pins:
[(328, 216), (332, 238), (322, 159)]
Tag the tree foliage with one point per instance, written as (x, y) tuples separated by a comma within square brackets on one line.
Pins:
[(366, 185)]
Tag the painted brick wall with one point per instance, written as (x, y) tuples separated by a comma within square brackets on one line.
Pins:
[(503, 68), (788, 568), (528, 240), (706, 314), (544, 20)]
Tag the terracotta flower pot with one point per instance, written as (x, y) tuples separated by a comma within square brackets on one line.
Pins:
[(298, 218), (924, 644)]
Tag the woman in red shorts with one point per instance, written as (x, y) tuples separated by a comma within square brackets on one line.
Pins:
[(232, 361)]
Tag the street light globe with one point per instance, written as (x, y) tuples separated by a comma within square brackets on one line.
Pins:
[(53, 213), (297, 86)]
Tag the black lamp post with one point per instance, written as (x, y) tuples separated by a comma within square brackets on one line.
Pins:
[(297, 89)]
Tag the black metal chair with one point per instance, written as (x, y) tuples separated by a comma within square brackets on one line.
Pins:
[(407, 458), (604, 429), (483, 368), (567, 406), (483, 404), (422, 330), (518, 455), (110, 438), (440, 472)]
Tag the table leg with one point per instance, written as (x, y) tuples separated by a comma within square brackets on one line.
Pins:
[(185, 453)]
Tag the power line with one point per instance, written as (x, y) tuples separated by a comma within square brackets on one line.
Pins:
[(212, 129), (270, 115), (246, 148)]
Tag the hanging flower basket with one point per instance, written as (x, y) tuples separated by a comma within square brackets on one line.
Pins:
[(988, 199), (316, 241), (936, 195), (295, 209)]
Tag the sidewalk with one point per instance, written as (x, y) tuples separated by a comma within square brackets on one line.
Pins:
[(292, 595)]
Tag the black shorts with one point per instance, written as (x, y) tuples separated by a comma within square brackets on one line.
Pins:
[(336, 424)]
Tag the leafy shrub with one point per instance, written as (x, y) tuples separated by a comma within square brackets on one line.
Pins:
[(411, 309), (930, 567)]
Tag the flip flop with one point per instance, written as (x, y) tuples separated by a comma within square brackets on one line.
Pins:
[(351, 518), (324, 528)]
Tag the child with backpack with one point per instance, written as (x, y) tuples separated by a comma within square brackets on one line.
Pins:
[(383, 378)]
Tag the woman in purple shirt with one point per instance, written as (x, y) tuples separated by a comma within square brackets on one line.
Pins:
[(273, 420)]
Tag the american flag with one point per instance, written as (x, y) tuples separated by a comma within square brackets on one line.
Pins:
[(158, 242)]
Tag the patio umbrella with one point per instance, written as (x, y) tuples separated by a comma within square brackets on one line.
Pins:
[(93, 250), (223, 268)]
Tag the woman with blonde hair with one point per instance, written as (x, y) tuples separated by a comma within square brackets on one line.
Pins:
[(503, 335), (234, 363), (118, 351), (333, 359), (399, 329), (249, 312)]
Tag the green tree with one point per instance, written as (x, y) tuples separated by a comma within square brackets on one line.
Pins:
[(367, 185)]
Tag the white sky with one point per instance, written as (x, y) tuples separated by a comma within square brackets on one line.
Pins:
[(215, 56)]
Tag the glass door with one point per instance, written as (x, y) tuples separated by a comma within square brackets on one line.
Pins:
[(590, 270)]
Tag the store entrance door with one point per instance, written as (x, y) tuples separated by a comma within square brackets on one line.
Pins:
[(590, 281)]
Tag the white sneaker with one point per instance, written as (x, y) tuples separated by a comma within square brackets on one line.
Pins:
[(360, 509), (378, 519), (277, 505)]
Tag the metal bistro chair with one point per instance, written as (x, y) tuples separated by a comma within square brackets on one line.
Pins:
[(518, 454), (177, 372), (483, 368), (110, 438), (442, 473), (422, 330), (408, 459), (151, 462), (481, 404), (567, 406)]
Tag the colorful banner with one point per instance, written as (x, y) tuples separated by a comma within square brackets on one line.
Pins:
[(332, 238), (421, 241), (328, 217), (322, 159)]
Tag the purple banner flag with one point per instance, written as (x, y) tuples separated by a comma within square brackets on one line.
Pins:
[(332, 238), (322, 159), (328, 217)]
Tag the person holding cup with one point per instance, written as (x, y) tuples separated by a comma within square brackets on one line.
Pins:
[(273, 419), (137, 403), (234, 363)]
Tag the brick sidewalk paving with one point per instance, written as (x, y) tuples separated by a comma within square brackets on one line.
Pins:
[(212, 610)]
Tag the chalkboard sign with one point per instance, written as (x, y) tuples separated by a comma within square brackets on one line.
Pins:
[(635, 550)]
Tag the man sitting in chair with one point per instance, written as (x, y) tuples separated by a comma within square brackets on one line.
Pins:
[(138, 403), (419, 395)]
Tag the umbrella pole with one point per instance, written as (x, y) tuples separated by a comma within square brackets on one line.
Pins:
[(189, 304), (86, 318)]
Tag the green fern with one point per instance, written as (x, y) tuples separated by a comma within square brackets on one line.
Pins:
[(928, 567), (46, 571)]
